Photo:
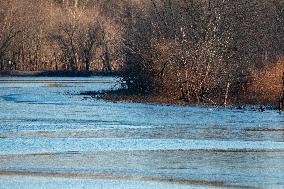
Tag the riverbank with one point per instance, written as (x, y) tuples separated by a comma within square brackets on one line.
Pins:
[(56, 73), (123, 95)]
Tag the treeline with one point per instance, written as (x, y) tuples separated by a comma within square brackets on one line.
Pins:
[(56, 35), (192, 50)]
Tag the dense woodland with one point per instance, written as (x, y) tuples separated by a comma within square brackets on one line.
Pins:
[(201, 51)]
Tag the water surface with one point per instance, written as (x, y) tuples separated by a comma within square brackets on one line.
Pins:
[(51, 137)]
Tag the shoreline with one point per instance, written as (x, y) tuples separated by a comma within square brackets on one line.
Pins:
[(15, 73), (122, 95)]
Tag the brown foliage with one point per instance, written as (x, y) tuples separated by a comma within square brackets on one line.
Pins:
[(194, 50), (264, 86)]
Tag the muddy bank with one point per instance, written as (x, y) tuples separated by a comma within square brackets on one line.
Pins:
[(123, 95)]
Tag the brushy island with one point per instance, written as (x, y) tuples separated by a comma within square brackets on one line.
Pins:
[(261, 88)]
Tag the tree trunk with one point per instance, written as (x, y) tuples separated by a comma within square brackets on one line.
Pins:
[(106, 58), (281, 99), (87, 64), (187, 86), (197, 97), (76, 3), (73, 64), (1, 64), (227, 93)]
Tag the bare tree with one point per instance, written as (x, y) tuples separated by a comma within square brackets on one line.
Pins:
[(89, 40)]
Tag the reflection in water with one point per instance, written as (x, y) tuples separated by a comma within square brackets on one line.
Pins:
[(46, 130)]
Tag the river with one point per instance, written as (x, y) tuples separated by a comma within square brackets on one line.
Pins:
[(52, 137)]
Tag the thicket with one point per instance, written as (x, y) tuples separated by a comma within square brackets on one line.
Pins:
[(217, 52), (197, 51)]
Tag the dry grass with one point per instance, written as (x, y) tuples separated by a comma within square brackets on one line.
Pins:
[(265, 86)]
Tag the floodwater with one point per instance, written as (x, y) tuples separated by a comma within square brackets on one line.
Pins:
[(51, 137)]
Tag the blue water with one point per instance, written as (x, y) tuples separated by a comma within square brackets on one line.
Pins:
[(52, 137)]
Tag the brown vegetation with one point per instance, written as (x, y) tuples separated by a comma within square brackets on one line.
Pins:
[(197, 51), (205, 51), (55, 35), (264, 86)]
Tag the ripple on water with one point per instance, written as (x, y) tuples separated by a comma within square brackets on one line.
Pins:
[(48, 133)]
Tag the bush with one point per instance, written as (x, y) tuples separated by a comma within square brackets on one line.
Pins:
[(264, 86)]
